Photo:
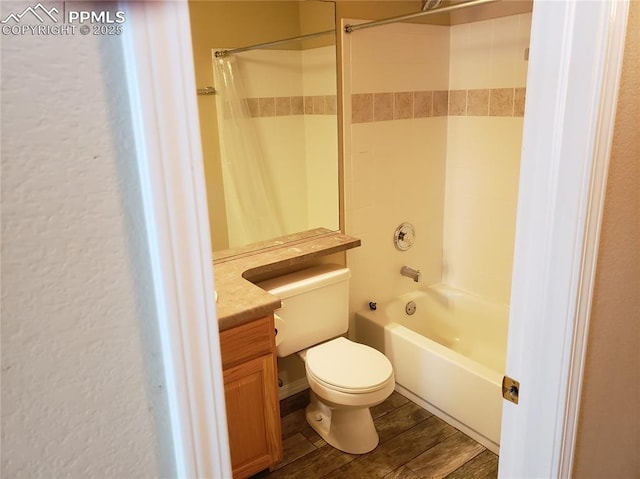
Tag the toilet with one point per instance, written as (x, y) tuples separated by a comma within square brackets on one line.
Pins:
[(345, 378)]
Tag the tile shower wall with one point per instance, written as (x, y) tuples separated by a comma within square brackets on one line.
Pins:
[(483, 155), (394, 170), (295, 113), (432, 136), (321, 137), (368, 107), (281, 137)]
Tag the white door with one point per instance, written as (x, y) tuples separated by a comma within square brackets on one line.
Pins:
[(574, 68)]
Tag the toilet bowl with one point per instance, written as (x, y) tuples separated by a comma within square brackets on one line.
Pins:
[(345, 378)]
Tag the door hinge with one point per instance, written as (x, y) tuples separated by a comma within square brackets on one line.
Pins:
[(510, 389)]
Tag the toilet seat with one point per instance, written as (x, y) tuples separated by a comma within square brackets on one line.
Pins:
[(348, 367)]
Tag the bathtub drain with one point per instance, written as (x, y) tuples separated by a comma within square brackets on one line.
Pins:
[(410, 308)]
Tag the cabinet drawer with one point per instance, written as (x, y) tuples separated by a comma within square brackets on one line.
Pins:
[(247, 341)]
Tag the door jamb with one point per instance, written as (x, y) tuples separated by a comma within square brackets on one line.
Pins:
[(162, 91)]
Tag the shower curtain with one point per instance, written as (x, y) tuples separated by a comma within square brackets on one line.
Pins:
[(251, 206)]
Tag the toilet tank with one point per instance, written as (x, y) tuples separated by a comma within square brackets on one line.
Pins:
[(315, 306)]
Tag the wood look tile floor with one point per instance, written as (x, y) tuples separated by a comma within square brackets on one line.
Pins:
[(413, 444)]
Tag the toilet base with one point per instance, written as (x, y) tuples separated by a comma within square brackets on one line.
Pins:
[(349, 429)]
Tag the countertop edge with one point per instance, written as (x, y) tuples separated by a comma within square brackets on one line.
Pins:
[(241, 301)]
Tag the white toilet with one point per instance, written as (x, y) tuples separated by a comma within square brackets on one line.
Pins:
[(345, 378)]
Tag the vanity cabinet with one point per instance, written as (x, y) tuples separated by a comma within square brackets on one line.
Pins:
[(251, 395)]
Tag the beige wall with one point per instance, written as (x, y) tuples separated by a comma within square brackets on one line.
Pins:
[(297, 148), (379, 9), (317, 17), (608, 443), (227, 24), (231, 23)]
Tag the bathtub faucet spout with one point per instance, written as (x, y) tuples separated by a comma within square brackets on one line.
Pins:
[(414, 274)]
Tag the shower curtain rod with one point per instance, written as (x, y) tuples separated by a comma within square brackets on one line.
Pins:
[(224, 53), (375, 23)]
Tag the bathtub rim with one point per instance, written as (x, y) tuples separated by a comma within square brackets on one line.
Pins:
[(380, 316)]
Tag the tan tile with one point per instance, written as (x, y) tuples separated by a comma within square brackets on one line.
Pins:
[(330, 105), (308, 105), (313, 437), (318, 105), (244, 103), (390, 404), (295, 422), (267, 106), (458, 102), (518, 102), (361, 107), (413, 444), (422, 104), (382, 106), (478, 102), (484, 464), (445, 457), (396, 451), (501, 102), (253, 106), (297, 105), (294, 447), (403, 105), (283, 106), (400, 420), (314, 465), (403, 472), (440, 103), (295, 403)]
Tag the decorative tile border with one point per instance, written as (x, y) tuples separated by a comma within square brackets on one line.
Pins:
[(370, 107), (292, 105)]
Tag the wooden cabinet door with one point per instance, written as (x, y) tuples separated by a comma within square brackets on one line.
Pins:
[(253, 415)]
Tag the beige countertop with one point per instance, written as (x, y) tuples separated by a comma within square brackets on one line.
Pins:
[(241, 301)]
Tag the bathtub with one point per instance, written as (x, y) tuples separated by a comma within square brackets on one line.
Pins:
[(448, 356)]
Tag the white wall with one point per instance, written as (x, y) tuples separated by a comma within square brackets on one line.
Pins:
[(483, 164), (83, 393)]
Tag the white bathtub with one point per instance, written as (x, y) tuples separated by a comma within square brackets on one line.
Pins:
[(448, 357)]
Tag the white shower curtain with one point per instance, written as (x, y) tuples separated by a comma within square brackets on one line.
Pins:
[(249, 191)]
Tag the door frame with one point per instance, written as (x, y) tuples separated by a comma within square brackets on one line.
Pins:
[(576, 56), (162, 92)]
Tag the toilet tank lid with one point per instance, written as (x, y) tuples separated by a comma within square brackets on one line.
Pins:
[(305, 280)]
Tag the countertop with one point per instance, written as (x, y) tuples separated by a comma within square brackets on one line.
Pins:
[(241, 301)]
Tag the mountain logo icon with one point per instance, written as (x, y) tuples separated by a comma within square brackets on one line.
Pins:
[(39, 11)]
